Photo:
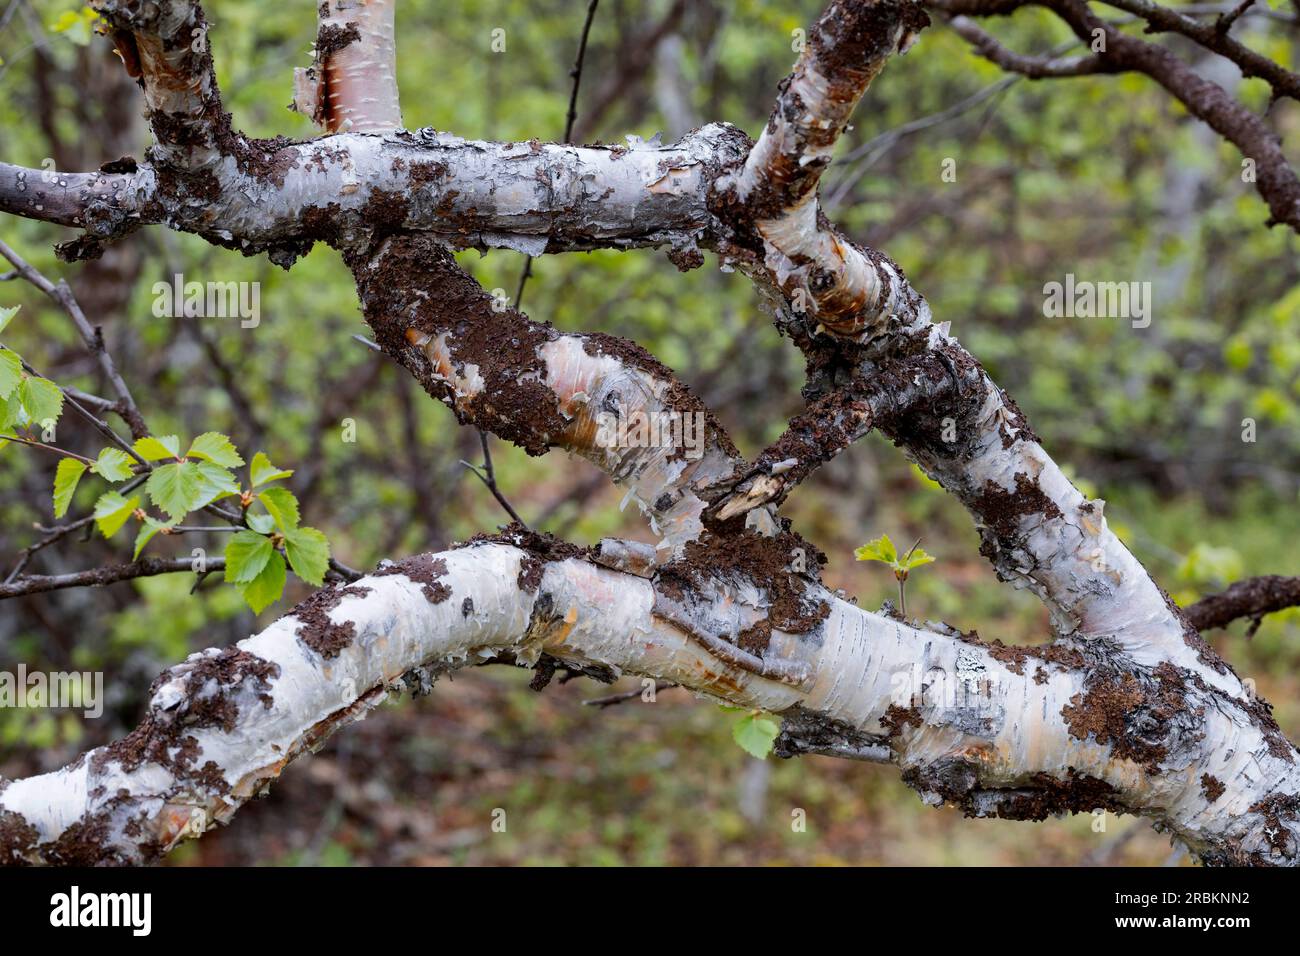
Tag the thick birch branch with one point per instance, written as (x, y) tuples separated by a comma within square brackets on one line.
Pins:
[(851, 308), (595, 395), (164, 45), (532, 197), (1016, 733), (352, 87)]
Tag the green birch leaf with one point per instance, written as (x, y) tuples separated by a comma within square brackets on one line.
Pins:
[(216, 448), (756, 734), (309, 554), (247, 553), (113, 464), (156, 449), (282, 505), (41, 399), (261, 471), (7, 314), (112, 510), (881, 549), (176, 488), (11, 372), (265, 589), (147, 530), (66, 477)]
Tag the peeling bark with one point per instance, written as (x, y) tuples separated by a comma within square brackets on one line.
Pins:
[(999, 735), (352, 86), (164, 44), (540, 389)]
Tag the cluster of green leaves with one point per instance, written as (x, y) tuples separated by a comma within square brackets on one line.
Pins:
[(755, 731), (26, 400), (256, 554), (882, 549), (174, 485), (255, 557)]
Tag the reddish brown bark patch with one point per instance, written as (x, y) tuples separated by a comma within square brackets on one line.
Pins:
[(425, 570), (211, 687), (416, 288), (1281, 811), (896, 719), (317, 631), (783, 566), (1046, 796), (540, 543), (331, 38), (1212, 787), (17, 838), (1000, 509), (1138, 717)]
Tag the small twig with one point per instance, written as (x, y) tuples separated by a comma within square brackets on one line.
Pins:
[(343, 571), (1223, 23), (488, 476), (63, 296), (58, 451), (97, 577), (60, 532), (100, 425), (613, 699)]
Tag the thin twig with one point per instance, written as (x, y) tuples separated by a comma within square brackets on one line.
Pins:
[(613, 699), (100, 425), (58, 451), (62, 295), (97, 577), (487, 474), (59, 532)]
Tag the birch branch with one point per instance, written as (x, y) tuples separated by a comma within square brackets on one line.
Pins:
[(109, 574), (851, 307), (595, 395), (279, 199), (1252, 598), (164, 45), (352, 86), (1014, 733)]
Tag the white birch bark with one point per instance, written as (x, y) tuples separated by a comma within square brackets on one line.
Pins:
[(986, 733)]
